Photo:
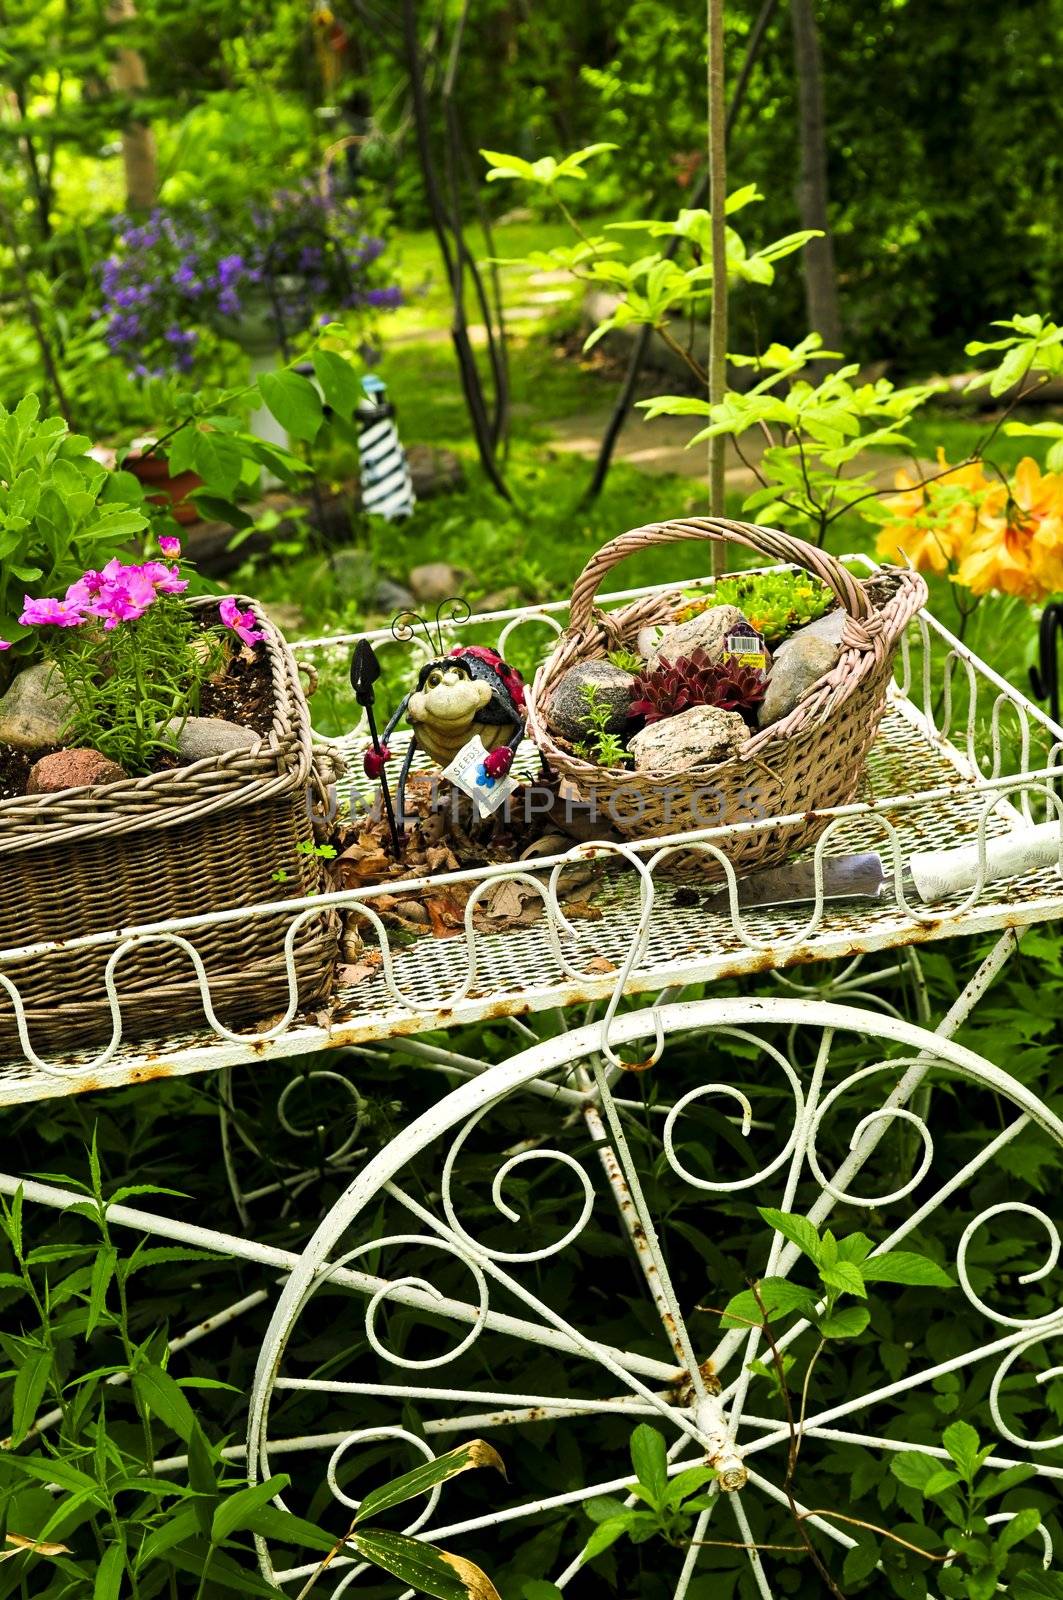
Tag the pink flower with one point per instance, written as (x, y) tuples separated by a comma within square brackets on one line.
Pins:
[(241, 622), (50, 614), (169, 545), (167, 580), (5, 644)]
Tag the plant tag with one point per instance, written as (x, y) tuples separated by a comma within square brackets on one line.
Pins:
[(746, 648), (467, 773)]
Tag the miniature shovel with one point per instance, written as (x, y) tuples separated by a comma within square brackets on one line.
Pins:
[(934, 874), (365, 670)]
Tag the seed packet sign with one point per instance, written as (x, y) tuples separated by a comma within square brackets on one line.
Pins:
[(746, 648), (468, 773)]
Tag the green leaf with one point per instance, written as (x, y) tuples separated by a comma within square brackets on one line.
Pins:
[(845, 1276), (233, 1511), (216, 509), (31, 1380), (338, 381), (962, 1443), (846, 1323), (283, 1528), (860, 1562), (477, 1453), (182, 1525), (160, 1394), (914, 1469), (423, 1566), (779, 1297), (541, 1589), (219, 462), (102, 1272), (904, 1266), (605, 1534), (799, 1231), (294, 402), (1022, 1524), (223, 1571), (109, 1573), (649, 1457)]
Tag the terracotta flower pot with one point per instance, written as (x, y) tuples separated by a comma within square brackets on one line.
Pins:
[(153, 471)]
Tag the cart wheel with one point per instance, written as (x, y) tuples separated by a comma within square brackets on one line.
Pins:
[(549, 1274)]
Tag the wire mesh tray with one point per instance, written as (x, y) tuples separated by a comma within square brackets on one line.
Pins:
[(960, 756)]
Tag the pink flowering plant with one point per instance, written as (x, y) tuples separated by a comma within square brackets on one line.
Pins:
[(132, 658)]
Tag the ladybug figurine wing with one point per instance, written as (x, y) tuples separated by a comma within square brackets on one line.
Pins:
[(499, 723)]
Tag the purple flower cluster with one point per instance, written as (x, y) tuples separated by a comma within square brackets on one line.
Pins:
[(169, 278), (120, 592)]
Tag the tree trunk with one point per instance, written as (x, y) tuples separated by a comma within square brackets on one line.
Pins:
[(718, 325), (130, 76), (821, 285)]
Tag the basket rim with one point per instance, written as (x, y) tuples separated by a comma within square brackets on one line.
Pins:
[(277, 762), (864, 647)]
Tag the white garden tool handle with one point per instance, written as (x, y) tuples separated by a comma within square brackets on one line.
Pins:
[(939, 873)]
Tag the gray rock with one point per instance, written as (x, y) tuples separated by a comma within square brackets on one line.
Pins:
[(707, 632), (35, 710), (799, 663), (828, 627), (695, 738), (354, 573), (72, 769), (435, 581), (392, 597), (202, 737), (568, 715)]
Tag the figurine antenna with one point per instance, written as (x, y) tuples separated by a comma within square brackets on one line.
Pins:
[(405, 625)]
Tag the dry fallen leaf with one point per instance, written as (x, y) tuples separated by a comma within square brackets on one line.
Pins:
[(37, 1547), (600, 964), (352, 973)]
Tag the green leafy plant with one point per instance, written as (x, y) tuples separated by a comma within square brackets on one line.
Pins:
[(80, 1493), (600, 745), (653, 289), (981, 1543), (672, 687), (813, 432), (776, 603), (1032, 356), (667, 1505), (844, 1267), (59, 509), (626, 660)]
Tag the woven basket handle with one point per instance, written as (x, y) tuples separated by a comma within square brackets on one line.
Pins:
[(717, 530)]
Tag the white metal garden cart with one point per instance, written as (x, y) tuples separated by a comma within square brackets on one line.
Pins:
[(443, 1279)]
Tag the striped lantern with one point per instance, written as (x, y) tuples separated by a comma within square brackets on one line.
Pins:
[(387, 488)]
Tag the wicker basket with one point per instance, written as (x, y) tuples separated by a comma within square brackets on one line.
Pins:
[(813, 757), (202, 838)]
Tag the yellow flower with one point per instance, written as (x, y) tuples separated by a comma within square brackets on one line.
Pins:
[(931, 523)]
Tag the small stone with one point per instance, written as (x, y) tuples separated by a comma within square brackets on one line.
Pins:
[(435, 581), (35, 710), (569, 714), (499, 600), (203, 737), (392, 597), (799, 663), (696, 738), (707, 631), (72, 769)]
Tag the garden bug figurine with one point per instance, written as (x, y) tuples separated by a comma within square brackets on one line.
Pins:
[(465, 693)]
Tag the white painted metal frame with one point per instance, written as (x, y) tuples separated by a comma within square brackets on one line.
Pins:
[(698, 1390)]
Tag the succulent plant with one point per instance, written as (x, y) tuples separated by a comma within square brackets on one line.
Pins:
[(776, 603), (694, 680)]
